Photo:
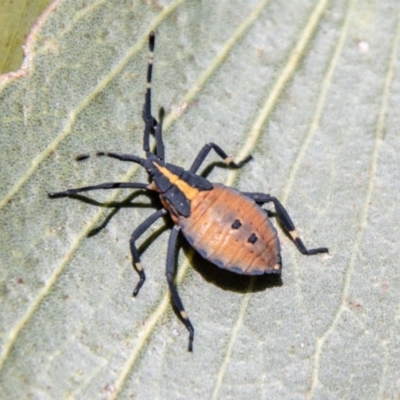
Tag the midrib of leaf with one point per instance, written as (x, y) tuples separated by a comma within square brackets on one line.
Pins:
[(379, 133)]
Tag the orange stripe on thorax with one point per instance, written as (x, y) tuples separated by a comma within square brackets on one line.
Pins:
[(183, 186)]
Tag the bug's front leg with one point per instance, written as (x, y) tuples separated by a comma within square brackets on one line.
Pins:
[(134, 251), (288, 225), (170, 272), (203, 153)]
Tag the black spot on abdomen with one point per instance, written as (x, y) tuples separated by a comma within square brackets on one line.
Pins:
[(253, 238), (236, 224)]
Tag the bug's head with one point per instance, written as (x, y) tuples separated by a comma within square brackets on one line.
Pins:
[(157, 171), (149, 163)]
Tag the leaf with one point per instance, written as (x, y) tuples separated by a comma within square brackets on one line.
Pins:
[(16, 19), (310, 90)]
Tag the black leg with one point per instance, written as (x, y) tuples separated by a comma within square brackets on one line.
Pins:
[(109, 185), (261, 198), (172, 288), (134, 251), (204, 153)]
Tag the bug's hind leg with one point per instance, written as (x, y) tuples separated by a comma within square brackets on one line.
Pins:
[(172, 288), (203, 153), (134, 251), (288, 225)]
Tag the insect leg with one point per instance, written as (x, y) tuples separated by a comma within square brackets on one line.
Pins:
[(109, 185), (134, 251), (261, 198), (203, 153), (172, 288)]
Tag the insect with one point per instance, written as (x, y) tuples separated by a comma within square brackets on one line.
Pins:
[(227, 227)]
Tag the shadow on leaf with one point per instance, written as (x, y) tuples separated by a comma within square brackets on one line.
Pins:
[(117, 205)]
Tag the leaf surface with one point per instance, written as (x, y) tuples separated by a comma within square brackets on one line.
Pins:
[(310, 90)]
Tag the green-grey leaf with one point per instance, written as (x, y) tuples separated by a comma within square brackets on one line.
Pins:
[(16, 20), (309, 88)]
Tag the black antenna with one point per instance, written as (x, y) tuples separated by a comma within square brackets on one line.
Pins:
[(148, 119), (158, 134)]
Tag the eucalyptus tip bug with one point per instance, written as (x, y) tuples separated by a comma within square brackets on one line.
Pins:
[(225, 226)]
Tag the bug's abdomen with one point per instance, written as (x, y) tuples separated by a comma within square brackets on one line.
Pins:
[(232, 231)]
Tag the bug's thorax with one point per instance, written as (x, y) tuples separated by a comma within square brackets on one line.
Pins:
[(176, 186)]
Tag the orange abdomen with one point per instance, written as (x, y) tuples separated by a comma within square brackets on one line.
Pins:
[(232, 231)]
